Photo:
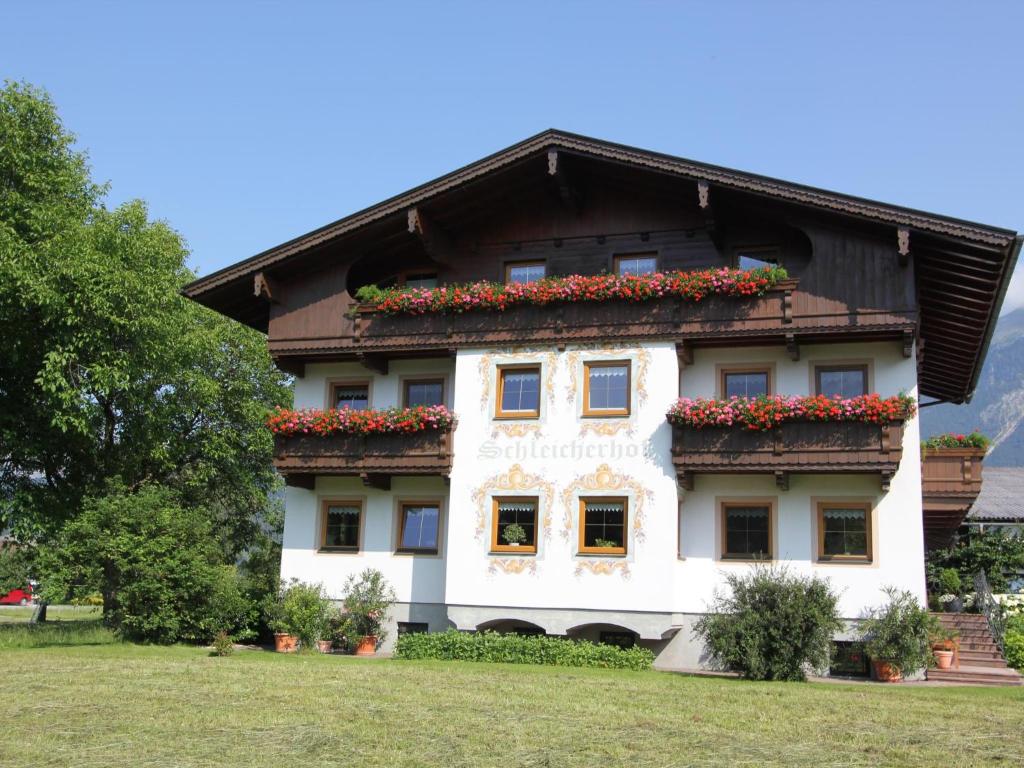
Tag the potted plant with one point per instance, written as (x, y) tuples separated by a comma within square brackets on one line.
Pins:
[(368, 598), (605, 543), (897, 636), (949, 585), (301, 616), (944, 644), (514, 534)]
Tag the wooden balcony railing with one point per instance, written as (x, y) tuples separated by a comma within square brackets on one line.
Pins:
[(950, 483), (801, 447), (374, 458)]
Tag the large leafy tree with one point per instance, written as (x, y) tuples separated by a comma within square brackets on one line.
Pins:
[(107, 372)]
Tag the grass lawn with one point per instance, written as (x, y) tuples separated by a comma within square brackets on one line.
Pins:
[(112, 704), (12, 614)]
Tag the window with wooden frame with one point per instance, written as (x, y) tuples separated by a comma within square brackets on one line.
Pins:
[(341, 523), (354, 396), (419, 526), (757, 257), (844, 531), (635, 264), (746, 531), (422, 392), (518, 392), (606, 386), (753, 381), (525, 271), (514, 525), (603, 526), (841, 380)]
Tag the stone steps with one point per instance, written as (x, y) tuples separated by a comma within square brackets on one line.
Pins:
[(981, 663)]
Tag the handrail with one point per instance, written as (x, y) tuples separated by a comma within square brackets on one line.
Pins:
[(986, 604)]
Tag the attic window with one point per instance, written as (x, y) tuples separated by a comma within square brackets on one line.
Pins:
[(755, 258)]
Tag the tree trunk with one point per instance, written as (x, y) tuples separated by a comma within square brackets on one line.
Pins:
[(38, 613)]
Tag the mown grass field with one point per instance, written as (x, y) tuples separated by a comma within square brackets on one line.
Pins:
[(113, 704), (14, 614)]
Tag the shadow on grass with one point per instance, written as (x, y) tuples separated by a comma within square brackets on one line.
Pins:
[(52, 634)]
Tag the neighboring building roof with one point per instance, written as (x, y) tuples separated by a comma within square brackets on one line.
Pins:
[(962, 268), (1002, 495)]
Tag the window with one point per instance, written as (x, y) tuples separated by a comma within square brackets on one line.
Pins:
[(746, 530), (841, 380), (754, 258), (606, 389), (622, 640), (412, 628), (525, 272), (514, 525), (421, 280), (849, 659), (603, 526), (423, 392), (844, 531), (746, 382), (418, 526), (340, 526), (518, 392), (636, 264), (355, 397)]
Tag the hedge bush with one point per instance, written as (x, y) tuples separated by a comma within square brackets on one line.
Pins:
[(515, 649), (1013, 641), (772, 625)]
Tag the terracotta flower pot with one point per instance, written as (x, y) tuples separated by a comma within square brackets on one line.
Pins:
[(943, 659), (367, 646), (886, 672), (285, 643), (324, 646)]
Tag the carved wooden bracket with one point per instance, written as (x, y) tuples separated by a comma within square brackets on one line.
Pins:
[(903, 245), (376, 363), (787, 306), (886, 480), (684, 352), (266, 287), (686, 480), (300, 480), (567, 193), (782, 480), (436, 242), (792, 347), (777, 441), (703, 193), (908, 342), (375, 480)]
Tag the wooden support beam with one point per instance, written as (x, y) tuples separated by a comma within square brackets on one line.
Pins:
[(908, 342), (703, 194), (686, 480), (684, 352), (567, 193), (903, 245), (266, 287), (300, 480), (792, 347), (296, 368), (704, 203), (782, 480), (886, 481), (375, 480), (372, 362), (435, 240)]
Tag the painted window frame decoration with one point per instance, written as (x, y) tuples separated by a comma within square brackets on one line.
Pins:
[(413, 380), (844, 506), (606, 412), (322, 528), (498, 545), (619, 258), (499, 412), (821, 368), (406, 504), (594, 501), (731, 370), (526, 264), (748, 557)]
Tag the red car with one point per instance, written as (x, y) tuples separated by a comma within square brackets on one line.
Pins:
[(17, 597)]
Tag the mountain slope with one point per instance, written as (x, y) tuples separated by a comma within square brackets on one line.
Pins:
[(998, 405)]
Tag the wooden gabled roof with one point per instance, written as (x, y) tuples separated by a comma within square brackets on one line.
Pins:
[(963, 267)]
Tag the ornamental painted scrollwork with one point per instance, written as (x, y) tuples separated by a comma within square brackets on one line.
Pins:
[(516, 430), (516, 480), (605, 428), (641, 356), (489, 361), (603, 567), (513, 566), (604, 478)]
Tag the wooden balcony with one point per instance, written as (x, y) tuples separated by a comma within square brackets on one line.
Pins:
[(950, 482), (795, 447), (374, 458)]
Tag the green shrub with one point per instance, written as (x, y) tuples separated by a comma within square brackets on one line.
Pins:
[(995, 552), (367, 599), (901, 632), (515, 649), (222, 644), (1013, 647), (303, 610), (772, 625), (949, 581)]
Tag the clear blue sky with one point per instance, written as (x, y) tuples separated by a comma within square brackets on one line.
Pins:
[(244, 124)]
